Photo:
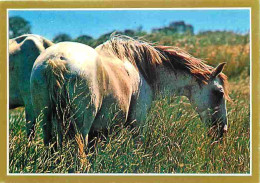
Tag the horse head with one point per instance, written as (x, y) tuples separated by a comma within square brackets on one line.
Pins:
[(205, 86), (210, 101)]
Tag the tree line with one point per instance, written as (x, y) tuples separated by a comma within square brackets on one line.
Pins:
[(19, 26)]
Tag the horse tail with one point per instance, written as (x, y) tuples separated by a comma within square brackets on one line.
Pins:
[(55, 77), (48, 91), (59, 97)]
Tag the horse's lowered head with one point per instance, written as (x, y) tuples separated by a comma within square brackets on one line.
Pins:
[(210, 100), (205, 86)]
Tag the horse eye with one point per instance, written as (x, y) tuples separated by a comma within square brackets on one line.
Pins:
[(218, 93)]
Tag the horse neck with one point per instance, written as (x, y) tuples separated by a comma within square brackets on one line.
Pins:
[(177, 83)]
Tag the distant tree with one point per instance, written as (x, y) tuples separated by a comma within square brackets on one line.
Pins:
[(103, 38), (85, 39), (61, 37), (18, 26), (180, 27), (175, 28), (140, 28), (129, 32)]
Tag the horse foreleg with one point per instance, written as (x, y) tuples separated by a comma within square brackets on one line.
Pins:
[(139, 108), (86, 119), (83, 112)]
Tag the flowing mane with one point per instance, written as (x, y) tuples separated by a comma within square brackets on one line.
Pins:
[(178, 59), (139, 53), (145, 57)]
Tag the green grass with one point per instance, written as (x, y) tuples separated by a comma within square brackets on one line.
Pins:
[(175, 141)]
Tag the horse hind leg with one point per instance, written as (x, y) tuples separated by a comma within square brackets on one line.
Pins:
[(44, 114), (41, 104), (83, 120), (82, 109)]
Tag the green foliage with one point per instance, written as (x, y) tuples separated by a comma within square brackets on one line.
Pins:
[(175, 28), (18, 26), (85, 39), (61, 38)]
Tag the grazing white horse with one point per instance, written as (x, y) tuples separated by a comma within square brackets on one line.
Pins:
[(23, 51), (117, 82)]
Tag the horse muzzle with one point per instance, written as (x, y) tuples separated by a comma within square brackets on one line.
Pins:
[(218, 124)]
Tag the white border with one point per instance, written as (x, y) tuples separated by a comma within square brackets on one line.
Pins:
[(128, 174)]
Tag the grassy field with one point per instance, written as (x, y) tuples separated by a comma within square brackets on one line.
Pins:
[(176, 141)]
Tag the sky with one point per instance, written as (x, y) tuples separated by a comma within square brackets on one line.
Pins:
[(49, 23)]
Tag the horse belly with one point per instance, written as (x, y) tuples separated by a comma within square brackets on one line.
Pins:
[(110, 115)]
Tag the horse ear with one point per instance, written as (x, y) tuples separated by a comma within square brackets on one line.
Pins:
[(218, 70)]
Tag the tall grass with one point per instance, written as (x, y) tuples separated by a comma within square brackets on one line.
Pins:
[(175, 140)]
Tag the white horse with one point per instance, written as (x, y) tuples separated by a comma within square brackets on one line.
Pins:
[(23, 51), (117, 82)]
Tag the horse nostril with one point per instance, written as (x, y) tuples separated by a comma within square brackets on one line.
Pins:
[(62, 58), (225, 129)]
